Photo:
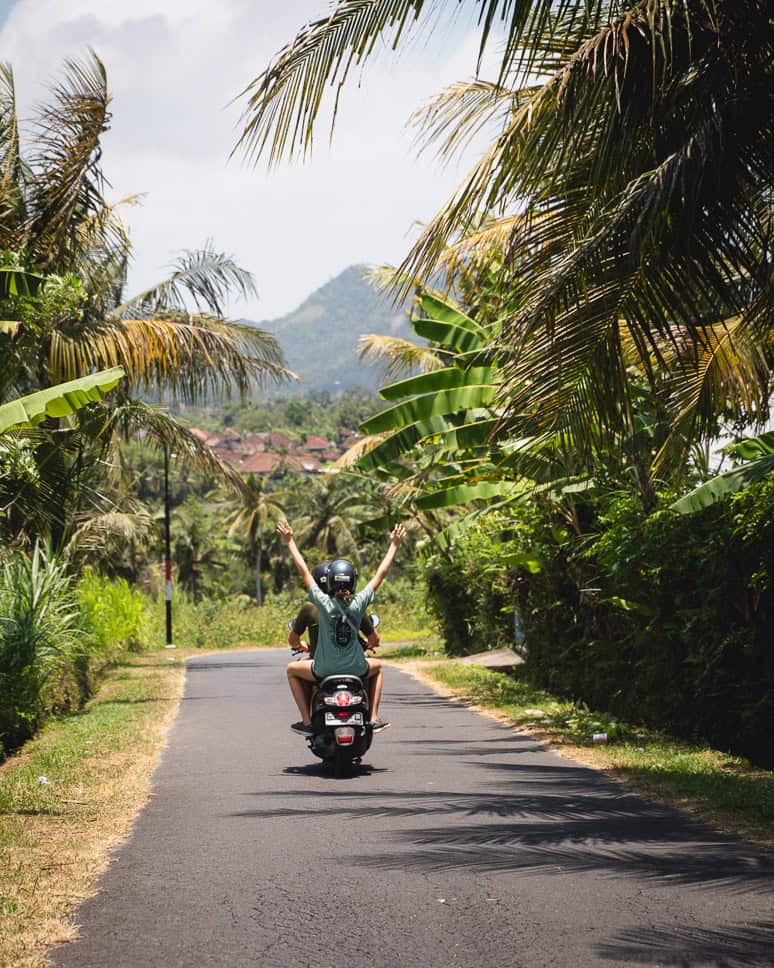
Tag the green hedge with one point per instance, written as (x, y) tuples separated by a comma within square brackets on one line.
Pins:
[(667, 620), (56, 636)]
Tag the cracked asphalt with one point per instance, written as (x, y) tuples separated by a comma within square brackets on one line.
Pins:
[(459, 843)]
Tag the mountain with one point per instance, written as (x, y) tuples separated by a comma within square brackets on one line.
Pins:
[(320, 338)]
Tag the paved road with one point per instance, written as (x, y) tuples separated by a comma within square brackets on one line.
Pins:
[(462, 843)]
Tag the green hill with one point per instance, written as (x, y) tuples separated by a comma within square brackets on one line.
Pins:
[(320, 338)]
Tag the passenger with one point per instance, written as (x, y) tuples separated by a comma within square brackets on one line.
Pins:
[(340, 613), (308, 621)]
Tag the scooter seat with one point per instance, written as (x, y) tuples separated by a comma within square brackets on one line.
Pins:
[(332, 682)]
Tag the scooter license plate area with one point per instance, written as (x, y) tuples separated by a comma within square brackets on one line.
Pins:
[(351, 719)]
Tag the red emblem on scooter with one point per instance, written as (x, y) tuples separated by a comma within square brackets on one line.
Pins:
[(343, 698)]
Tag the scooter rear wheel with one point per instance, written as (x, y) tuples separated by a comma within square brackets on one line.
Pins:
[(342, 764)]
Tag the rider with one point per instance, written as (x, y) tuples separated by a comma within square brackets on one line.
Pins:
[(338, 649), (308, 620)]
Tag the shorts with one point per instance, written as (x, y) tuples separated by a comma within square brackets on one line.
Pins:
[(360, 675)]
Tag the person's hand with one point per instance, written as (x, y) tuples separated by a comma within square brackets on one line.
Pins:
[(397, 534), (285, 531), (373, 640)]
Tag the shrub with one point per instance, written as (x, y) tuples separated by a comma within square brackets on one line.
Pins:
[(39, 635), (471, 592), (664, 619), (114, 617), (114, 614)]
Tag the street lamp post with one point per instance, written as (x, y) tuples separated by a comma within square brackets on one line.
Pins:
[(167, 551)]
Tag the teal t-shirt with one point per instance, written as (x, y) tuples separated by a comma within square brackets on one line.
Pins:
[(338, 650)]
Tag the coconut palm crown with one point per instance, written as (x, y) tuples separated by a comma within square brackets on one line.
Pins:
[(631, 165)]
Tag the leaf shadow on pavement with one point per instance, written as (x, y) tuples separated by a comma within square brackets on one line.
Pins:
[(730, 947), (541, 819)]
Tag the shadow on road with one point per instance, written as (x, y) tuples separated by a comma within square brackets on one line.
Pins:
[(748, 944), (197, 666), (533, 815), (320, 771), (551, 820)]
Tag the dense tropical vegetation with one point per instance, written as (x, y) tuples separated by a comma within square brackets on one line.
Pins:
[(597, 300), (79, 362), (594, 323)]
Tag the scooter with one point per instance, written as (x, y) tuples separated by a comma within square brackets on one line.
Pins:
[(340, 714)]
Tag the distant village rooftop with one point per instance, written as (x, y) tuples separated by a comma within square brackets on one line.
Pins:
[(272, 453)]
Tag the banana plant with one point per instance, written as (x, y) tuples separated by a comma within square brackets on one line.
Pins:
[(444, 410), (58, 401), (757, 456), (442, 440)]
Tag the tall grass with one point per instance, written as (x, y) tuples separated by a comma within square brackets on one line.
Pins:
[(114, 614), (39, 632), (225, 623), (57, 637)]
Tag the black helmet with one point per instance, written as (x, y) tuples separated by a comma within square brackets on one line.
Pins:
[(342, 576), (320, 574)]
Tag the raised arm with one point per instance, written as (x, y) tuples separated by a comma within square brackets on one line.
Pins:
[(397, 535), (286, 533)]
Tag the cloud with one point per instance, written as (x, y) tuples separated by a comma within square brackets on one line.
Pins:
[(174, 70)]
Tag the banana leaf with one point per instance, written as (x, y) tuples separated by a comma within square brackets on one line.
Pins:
[(436, 308), (750, 448), (400, 443), (429, 405), (464, 493), (18, 282), (59, 400), (435, 380), (724, 485), (449, 335), (470, 435)]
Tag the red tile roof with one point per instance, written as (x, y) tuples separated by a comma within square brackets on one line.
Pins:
[(314, 442), (261, 463), (227, 455)]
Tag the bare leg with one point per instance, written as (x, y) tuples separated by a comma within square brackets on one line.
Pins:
[(374, 686), (300, 677)]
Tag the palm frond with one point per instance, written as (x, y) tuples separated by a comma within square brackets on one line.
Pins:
[(132, 417), (641, 189), (108, 529), (101, 252), (727, 374), (284, 101), (451, 119), (11, 165), (202, 276), (67, 186), (397, 355), (188, 356)]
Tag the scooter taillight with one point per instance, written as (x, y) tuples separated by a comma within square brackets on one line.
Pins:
[(341, 699)]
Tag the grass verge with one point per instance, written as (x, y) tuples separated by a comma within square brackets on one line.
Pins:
[(70, 796), (724, 790)]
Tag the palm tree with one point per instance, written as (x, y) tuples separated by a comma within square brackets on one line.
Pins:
[(173, 336), (327, 514), (635, 174), (194, 550), (254, 520), (56, 227)]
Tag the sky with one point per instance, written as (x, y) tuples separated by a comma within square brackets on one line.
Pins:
[(174, 69)]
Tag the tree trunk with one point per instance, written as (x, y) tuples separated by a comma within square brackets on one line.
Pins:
[(258, 589)]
